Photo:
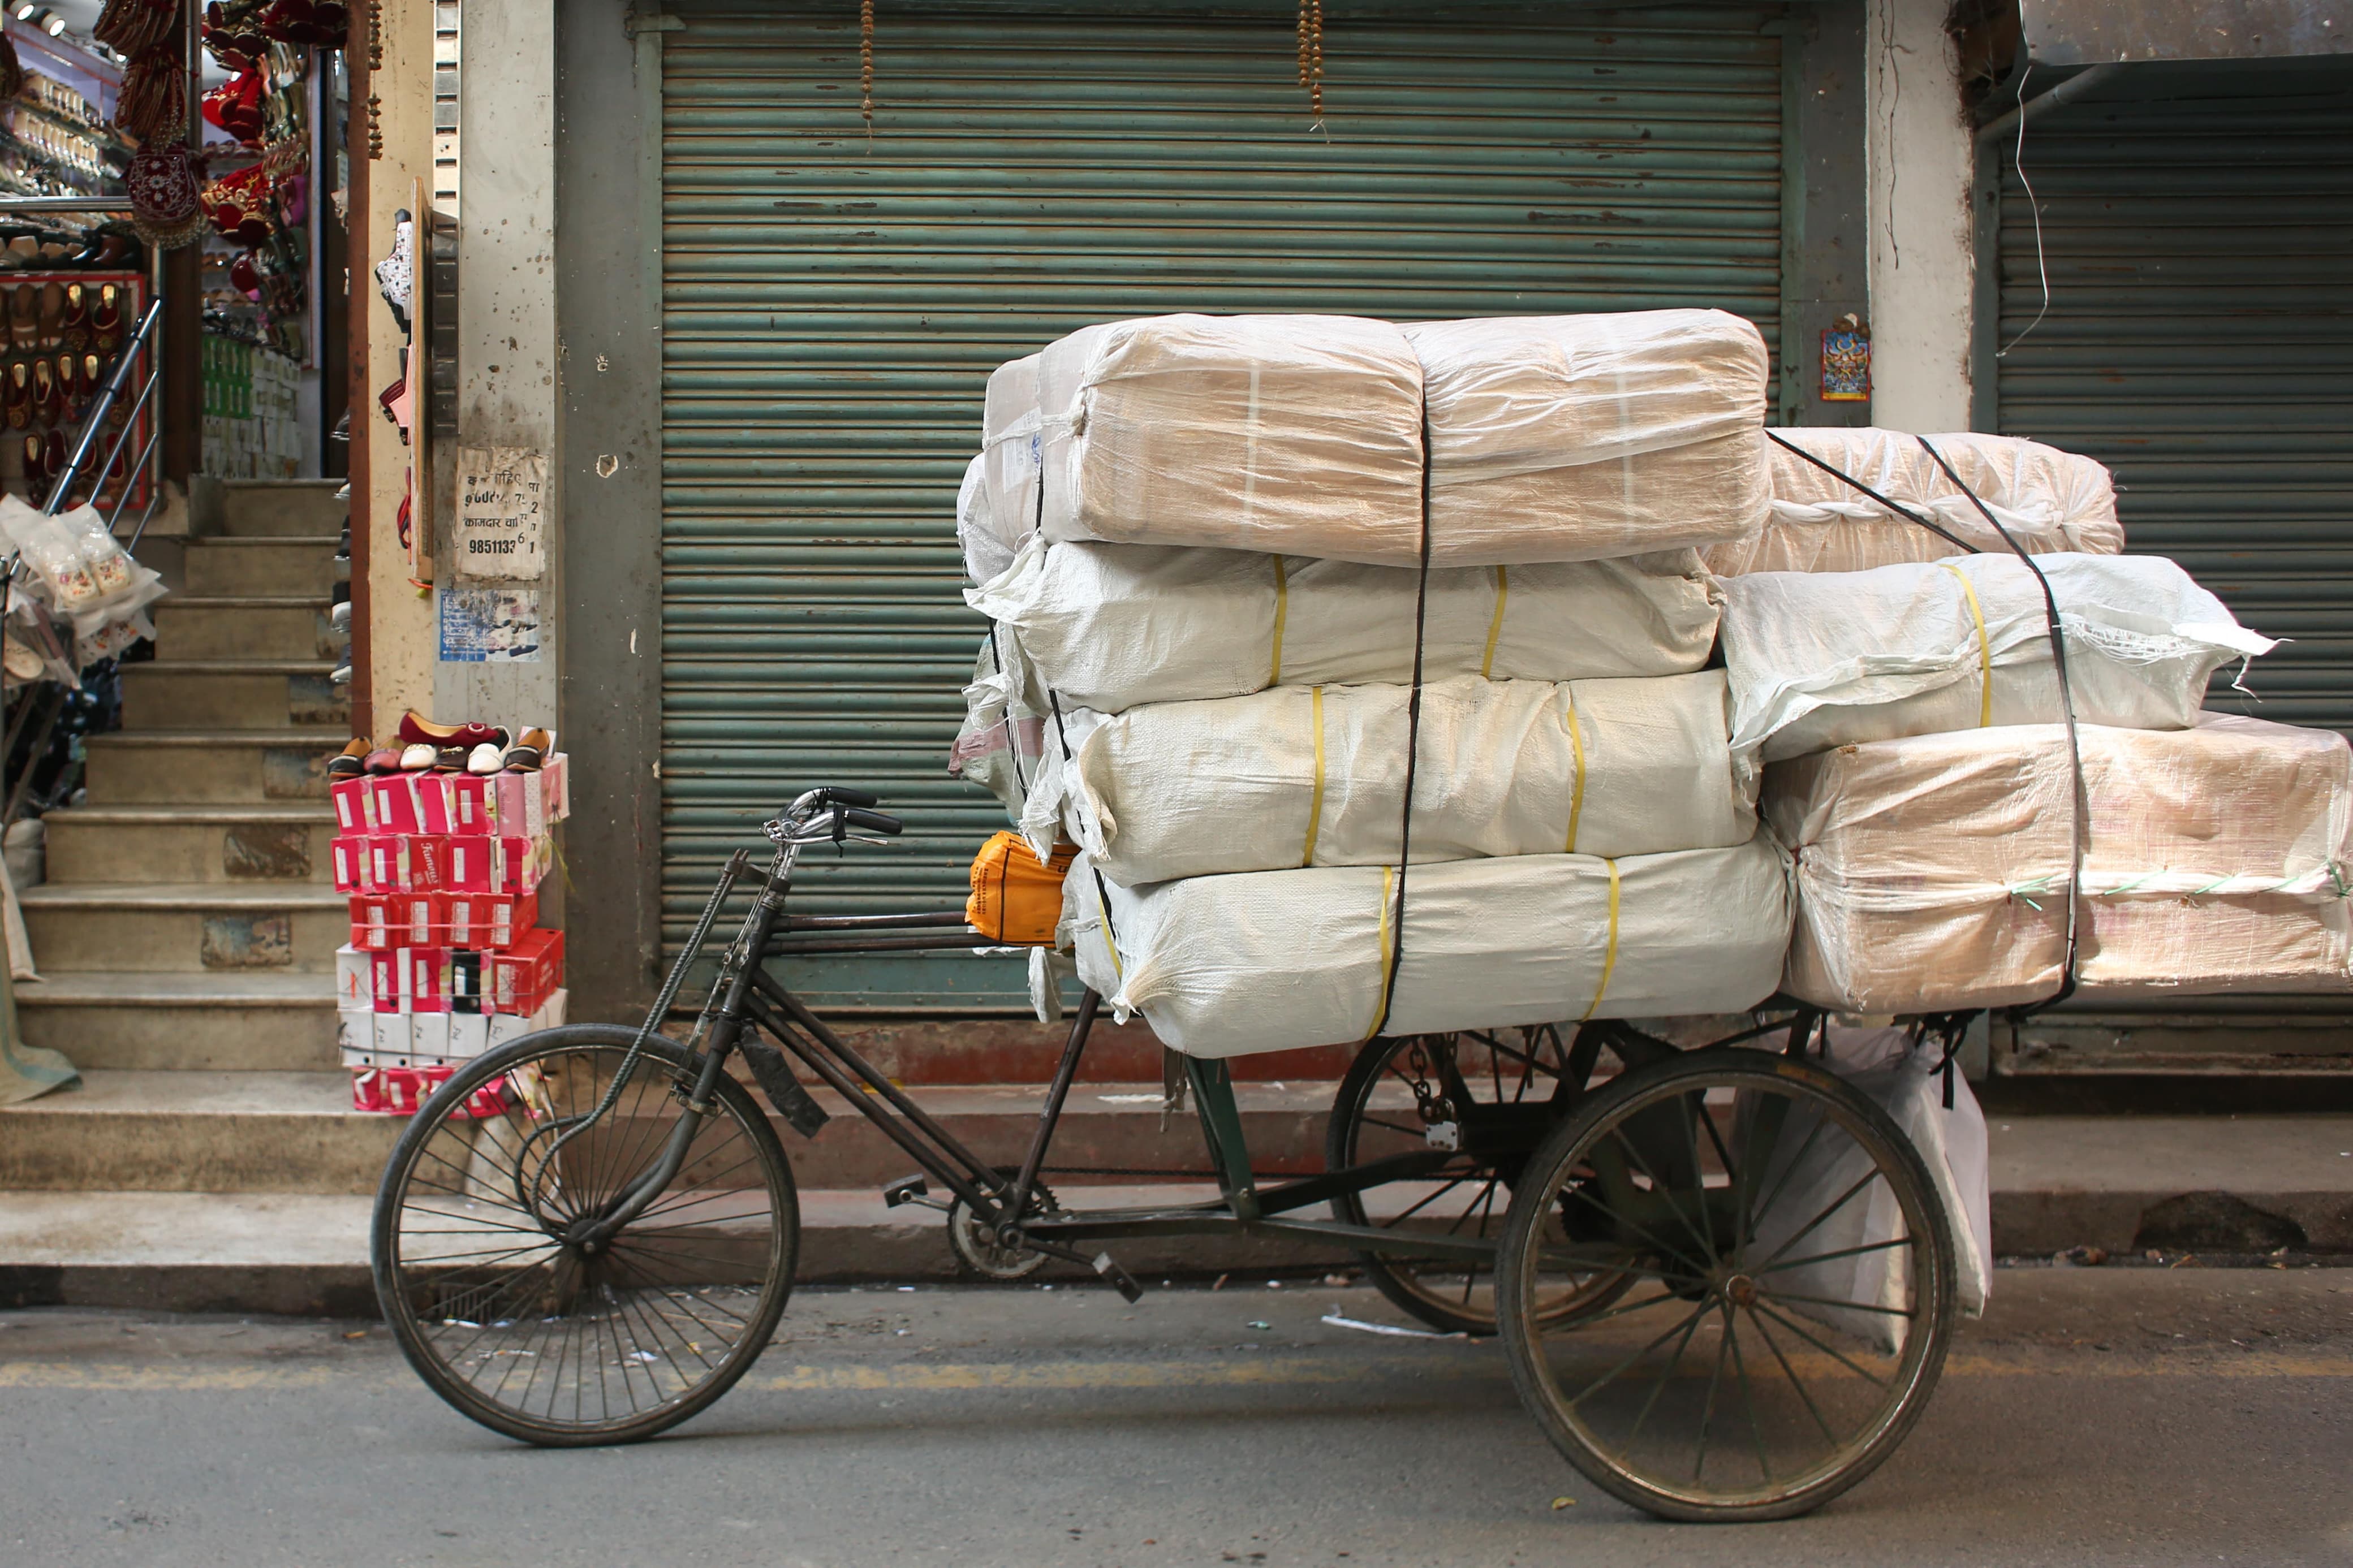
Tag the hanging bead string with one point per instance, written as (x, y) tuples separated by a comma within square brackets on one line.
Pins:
[(1302, 42), (866, 66), (1315, 61)]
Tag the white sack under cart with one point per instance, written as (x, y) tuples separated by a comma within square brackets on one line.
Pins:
[(1932, 871), (1268, 961)]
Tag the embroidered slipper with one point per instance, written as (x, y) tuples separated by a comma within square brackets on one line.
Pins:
[(419, 757), (528, 752), (415, 727)]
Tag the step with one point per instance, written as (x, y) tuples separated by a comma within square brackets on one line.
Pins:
[(280, 627), (300, 564), (179, 1131), (252, 508), (306, 1252), (283, 843), (185, 927), (161, 767), (232, 694), (228, 1020)]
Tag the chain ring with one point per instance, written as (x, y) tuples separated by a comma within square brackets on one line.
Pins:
[(977, 1248)]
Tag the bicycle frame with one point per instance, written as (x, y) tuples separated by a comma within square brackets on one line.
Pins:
[(746, 996)]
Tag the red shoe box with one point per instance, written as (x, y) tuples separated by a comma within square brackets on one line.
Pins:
[(347, 855), (354, 977), (523, 977), (412, 803), (386, 987), (425, 979), (489, 920), (381, 921), (354, 802), (503, 863)]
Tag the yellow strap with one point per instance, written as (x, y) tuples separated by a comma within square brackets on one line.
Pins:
[(1496, 626), (1316, 803), (1110, 945), (1576, 788), (1381, 1008), (1984, 650), (1282, 609), (1610, 957)]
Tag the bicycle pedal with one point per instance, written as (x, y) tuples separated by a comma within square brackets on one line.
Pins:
[(1122, 1281), (911, 1190)]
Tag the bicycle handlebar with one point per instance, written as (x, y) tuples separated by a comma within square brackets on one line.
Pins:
[(841, 794), (872, 821)]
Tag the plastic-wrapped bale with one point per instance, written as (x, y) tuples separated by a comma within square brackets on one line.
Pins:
[(2050, 500), (1316, 777), (1578, 437), (1932, 870), (1010, 445), (1110, 626), (1299, 433), (1267, 961), (985, 556), (1000, 743), (1825, 659)]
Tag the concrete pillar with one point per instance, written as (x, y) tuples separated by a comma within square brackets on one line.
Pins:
[(507, 385), (1918, 161), (400, 618)]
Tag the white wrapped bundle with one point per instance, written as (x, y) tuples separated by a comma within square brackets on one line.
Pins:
[(1267, 961), (1010, 442), (1821, 660), (1578, 437), (1316, 777), (1932, 870), (2050, 500), (1111, 625), (1001, 742), (1300, 433), (984, 555)]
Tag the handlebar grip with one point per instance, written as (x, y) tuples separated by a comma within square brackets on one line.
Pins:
[(873, 821), (842, 794)]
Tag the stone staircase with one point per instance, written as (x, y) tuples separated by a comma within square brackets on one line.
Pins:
[(186, 925)]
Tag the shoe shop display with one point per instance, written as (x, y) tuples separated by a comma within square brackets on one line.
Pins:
[(351, 763), (527, 753), (419, 757), (447, 957), (384, 760)]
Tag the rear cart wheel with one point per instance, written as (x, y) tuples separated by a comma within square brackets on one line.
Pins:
[(1479, 1103), (1795, 1291)]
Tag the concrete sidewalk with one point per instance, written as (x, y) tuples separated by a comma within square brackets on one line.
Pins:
[(2214, 1187)]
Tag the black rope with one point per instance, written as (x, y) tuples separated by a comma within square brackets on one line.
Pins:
[(2078, 803), (1412, 733), (1900, 509)]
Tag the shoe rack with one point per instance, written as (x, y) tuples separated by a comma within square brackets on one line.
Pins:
[(59, 332)]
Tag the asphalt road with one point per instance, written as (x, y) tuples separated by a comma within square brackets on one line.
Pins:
[(2097, 1415)]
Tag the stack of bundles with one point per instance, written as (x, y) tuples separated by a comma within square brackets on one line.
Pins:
[(1921, 773), (1212, 606), (2048, 499)]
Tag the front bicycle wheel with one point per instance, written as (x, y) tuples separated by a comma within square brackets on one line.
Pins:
[(553, 1343), (1795, 1295)]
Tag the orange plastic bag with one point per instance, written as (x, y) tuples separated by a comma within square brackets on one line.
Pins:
[(1014, 898)]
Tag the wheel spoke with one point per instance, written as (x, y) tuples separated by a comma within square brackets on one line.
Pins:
[(1658, 1385), (1812, 1224), (1747, 1395), (1611, 1375), (1828, 1349), (1830, 1256), (1791, 1373)]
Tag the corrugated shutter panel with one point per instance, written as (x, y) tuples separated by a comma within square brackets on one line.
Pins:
[(832, 304), (2198, 236)]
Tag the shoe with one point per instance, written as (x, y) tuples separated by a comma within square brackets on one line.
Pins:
[(349, 762), (384, 759), (484, 760), (23, 315), (415, 728), (33, 459), (24, 249), (340, 617), (74, 328), (450, 759), (51, 322), (340, 675), (53, 453), (45, 392), (73, 390), (105, 317), (417, 758), (16, 395), (345, 425), (528, 751), (343, 544)]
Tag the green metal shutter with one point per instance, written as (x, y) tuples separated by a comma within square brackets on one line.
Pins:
[(832, 304), (2196, 229)]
